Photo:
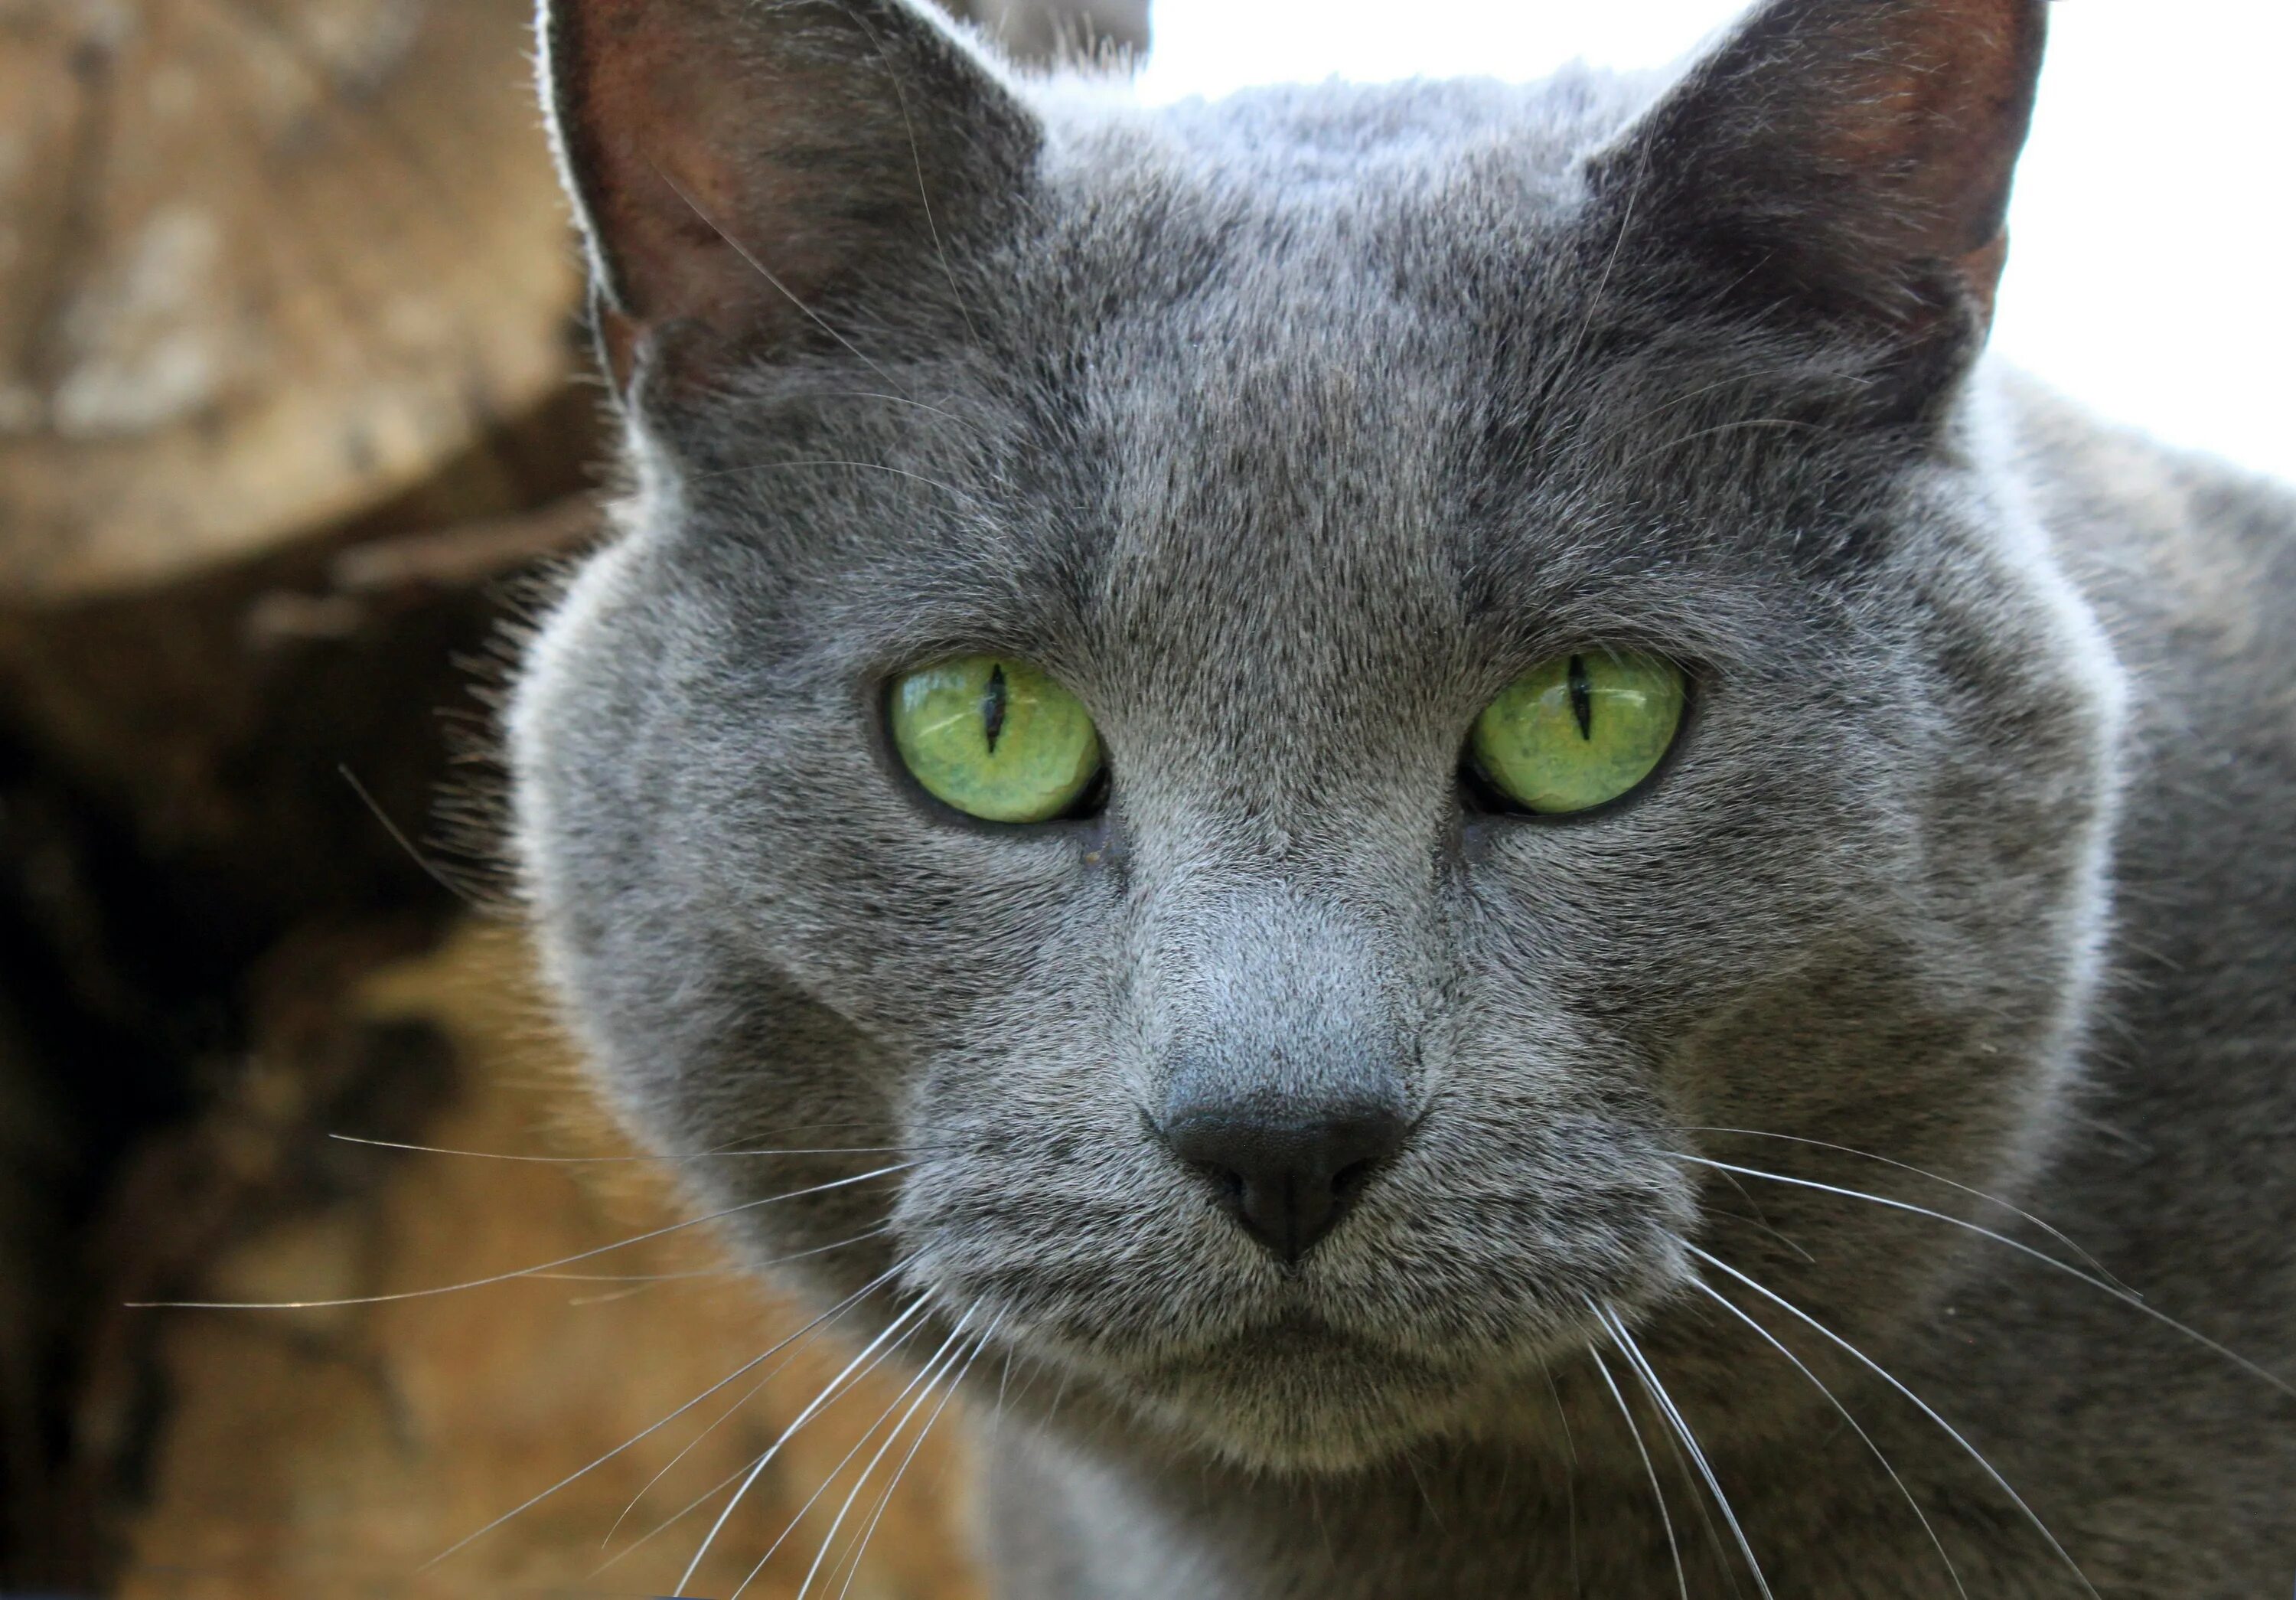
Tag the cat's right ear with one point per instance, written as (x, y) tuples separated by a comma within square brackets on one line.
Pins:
[(747, 170)]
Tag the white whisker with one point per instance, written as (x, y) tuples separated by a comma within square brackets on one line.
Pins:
[(2123, 1295), (1570, 1479), (805, 1588), (838, 1309), (1681, 1579), (829, 1392), (760, 268), (606, 1160), (917, 163), (1648, 1373), (607, 1297), (879, 1232), (804, 1336), (673, 1519), (1699, 1499), (522, 1271), (1758, 1226), (1927, 1410), (726, 1482), (925, 1377), (640, 1278), (1775, 1343), (916, 1444), (1557, 369), (2059, 1234)]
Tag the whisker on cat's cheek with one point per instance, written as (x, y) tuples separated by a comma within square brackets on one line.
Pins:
[(2103, 1285), (1650, 1468), (720, 1215), (613, 1160), (884, 1500), (1649, 1378), (1858, 1355), (809, 1333), (2094, 1265), (1855, 1426)]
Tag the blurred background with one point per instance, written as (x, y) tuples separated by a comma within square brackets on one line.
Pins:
[(292, 406)]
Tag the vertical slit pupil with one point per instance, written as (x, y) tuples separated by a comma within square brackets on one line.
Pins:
[(1582, 697), (992, 705)]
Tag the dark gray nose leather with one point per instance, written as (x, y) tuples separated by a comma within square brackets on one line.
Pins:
[(1289, 1174)]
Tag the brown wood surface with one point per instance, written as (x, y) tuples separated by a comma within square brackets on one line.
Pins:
[(264, 263), (336, 1451)]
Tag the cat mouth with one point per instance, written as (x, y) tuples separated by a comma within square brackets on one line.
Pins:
[(1293, 1339), (1299, 1391)]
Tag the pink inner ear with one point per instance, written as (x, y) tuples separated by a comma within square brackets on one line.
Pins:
[(671, 192), (1942, 112), (737, 163)]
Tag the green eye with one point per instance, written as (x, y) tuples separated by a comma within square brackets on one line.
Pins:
[(994, 738), (1579, 730)]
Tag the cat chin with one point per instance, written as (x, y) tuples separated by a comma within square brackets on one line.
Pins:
[(1311, 1402)]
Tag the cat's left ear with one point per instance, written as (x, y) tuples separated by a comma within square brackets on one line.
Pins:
[(746, 172), (1845, 160)]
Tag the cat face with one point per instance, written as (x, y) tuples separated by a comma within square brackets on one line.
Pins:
[(1284, 435)]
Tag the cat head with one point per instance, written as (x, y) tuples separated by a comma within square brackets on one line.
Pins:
[(1301, 1076)]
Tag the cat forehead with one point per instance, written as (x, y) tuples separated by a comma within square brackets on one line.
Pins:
[(1279, 309), (1289, 213)]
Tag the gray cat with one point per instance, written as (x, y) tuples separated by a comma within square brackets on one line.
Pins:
[(1455, 858)]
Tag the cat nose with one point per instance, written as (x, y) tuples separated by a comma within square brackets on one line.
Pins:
[(1288, 1176)]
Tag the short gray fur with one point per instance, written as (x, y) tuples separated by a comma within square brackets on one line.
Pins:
[(1285, 430)]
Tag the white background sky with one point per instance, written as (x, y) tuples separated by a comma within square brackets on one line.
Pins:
[(2153, 262)]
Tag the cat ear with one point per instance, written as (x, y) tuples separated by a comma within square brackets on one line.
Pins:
[(740, 168), (1852, 157)]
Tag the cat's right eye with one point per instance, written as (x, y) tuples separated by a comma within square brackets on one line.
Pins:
[(995, 738)]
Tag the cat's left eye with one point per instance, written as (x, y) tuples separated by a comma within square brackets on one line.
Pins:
[(995, 738), (1578, 731)]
